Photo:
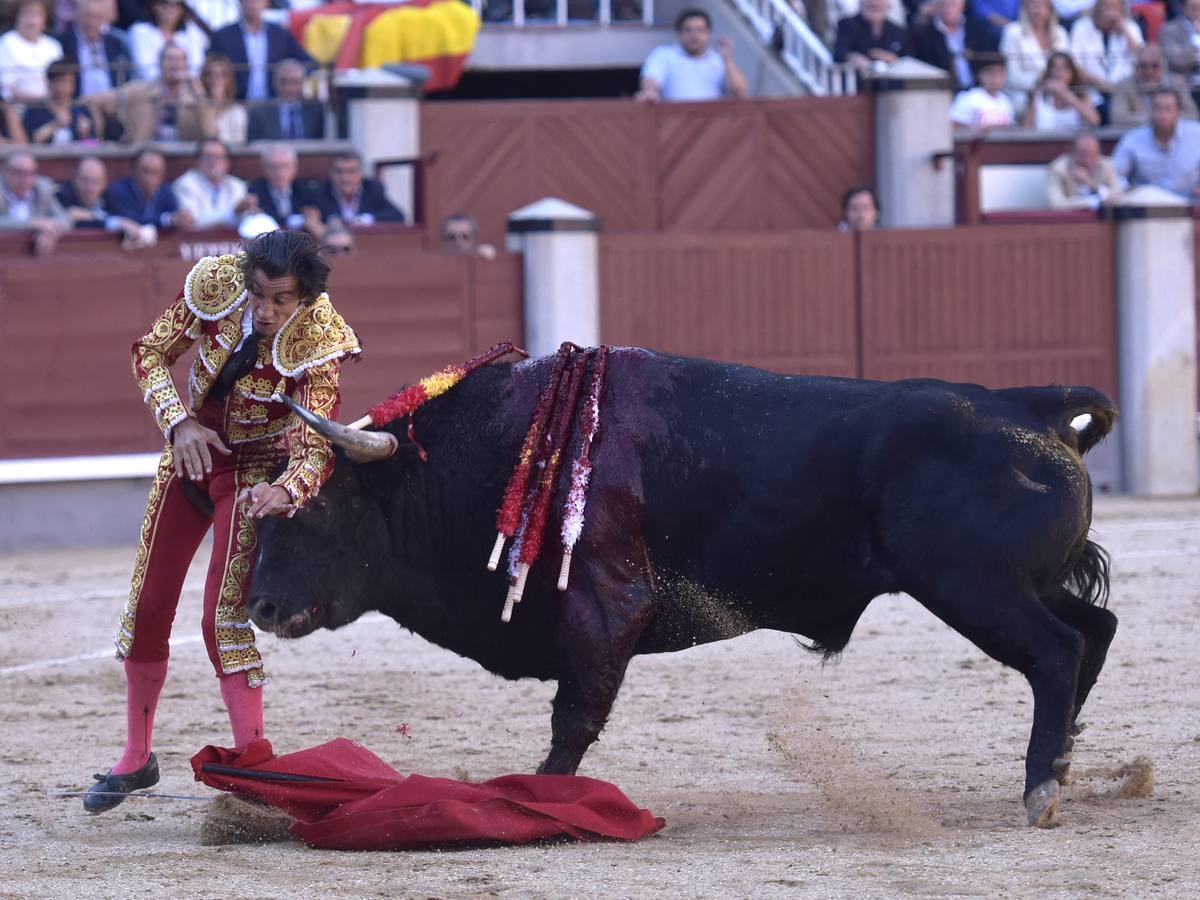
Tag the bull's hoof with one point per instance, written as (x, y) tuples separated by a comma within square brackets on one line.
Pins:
[(1042, 803), (1062, 770)]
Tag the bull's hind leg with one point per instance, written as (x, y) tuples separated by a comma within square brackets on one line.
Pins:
[(1097, 626), (1013, 627)]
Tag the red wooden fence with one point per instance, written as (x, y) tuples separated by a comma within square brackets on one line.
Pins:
[(697, 167), (782, 301), (995, 305), (65, 381)]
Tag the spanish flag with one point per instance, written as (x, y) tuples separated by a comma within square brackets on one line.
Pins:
[(438, 34)]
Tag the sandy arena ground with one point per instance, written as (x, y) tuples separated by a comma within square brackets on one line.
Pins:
[(896, 771)]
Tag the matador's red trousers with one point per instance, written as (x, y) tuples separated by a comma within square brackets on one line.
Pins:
[(171, 533)]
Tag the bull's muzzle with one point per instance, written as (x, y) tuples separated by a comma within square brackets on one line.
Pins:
[(269, 617)]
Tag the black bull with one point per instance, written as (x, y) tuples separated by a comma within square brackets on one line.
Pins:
[(725, 499)]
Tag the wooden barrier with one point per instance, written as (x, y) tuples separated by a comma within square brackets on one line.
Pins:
[(374, 241), (780, 300), (735, 166), (999, 306), (65, 335)]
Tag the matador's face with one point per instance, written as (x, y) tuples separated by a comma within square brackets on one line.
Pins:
[(272, 301)]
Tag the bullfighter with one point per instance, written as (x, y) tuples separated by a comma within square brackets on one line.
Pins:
[(266, 328)]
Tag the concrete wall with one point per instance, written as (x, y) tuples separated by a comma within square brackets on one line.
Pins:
[(46, 516)]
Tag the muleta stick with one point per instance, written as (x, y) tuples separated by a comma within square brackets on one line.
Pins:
[(407, 401), (581, 468), (525, 553), (508, 517)]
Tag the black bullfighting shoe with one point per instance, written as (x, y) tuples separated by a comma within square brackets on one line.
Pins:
[(109, 790)]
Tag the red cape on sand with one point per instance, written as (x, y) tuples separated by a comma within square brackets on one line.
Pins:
[(344, 797)]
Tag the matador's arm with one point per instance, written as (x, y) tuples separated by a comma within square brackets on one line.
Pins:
[(311, 458), (153, 355)]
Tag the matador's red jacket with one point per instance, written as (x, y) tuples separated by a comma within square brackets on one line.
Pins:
[(302, 361)]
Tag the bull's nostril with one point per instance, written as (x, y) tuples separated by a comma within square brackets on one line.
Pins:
[(263, 610)]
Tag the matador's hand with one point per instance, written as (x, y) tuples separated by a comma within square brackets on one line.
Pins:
[(191, 441), (266, 500)]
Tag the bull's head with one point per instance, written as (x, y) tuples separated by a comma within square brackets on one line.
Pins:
[(330, 562)]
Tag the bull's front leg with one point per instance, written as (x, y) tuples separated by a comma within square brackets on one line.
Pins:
[(595, 653), (605, 609)]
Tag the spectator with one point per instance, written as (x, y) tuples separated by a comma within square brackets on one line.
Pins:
[(25, 52), (223, 117), (995, 15), (145, 197), (169, 25), (986, 106), (169, 109), (28, 203), (823, 15), (1130, 102), (949, 41), (1069, 11), (291, 203), (254, 47), (83, 196), (1083, 178), (1105, 44), (691, 69), (1060, 101), (216, 14), (869, 37), (1027, 45), (291, 117), (213, 196), (460, 236), (349, 197), (101, 57), (1180, 39), (1166, 152), (860, 210), (60, 120), (338, 239)]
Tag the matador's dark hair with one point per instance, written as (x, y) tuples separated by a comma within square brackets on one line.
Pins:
[(280, 253)]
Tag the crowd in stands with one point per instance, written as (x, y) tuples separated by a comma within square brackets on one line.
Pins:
[(213, 73), (1062, 67), (168, 76), (206, 196)]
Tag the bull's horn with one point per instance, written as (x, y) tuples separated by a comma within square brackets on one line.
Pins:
[(360, 446)]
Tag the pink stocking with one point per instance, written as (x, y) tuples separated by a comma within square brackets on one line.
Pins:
[(245, 708), (143, 683)]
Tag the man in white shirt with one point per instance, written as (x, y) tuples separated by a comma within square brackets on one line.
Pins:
[(691, 69), (984, 107), (213, 196)]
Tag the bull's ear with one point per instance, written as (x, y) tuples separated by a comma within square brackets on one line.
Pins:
[(360, 446)]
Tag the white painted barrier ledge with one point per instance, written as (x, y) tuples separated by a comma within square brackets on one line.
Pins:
[(77, 468)]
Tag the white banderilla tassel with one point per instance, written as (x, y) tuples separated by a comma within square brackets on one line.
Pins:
[(564, 571), (494, 560), (515, 592)]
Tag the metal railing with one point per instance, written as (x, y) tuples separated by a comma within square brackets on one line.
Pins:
[(521, 13), (781, 27)]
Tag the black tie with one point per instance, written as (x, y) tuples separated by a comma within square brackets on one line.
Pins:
[(237, 366)]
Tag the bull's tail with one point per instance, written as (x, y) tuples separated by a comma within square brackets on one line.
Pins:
[(1088, 577), (1059, 406)]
